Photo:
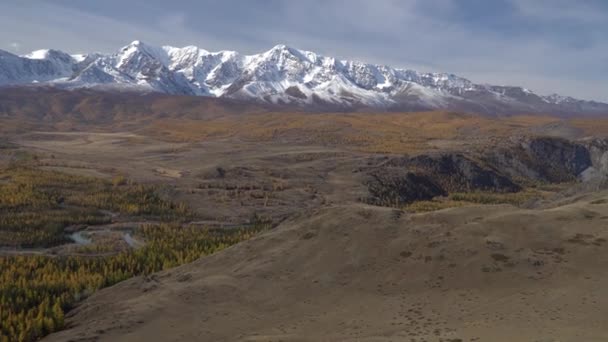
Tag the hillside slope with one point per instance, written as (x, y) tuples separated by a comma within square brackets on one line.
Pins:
[(360, 273)]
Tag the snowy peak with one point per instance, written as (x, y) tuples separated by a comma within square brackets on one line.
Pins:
[(282, 74), (138, 55), (38, 66), (282, 53), (559, 99), (44, 54)]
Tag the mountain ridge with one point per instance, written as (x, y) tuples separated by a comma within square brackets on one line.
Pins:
[(281, 75)]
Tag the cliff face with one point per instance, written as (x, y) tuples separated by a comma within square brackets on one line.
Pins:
[(542, 159), (402, 180), (393, 187), (597, 174)]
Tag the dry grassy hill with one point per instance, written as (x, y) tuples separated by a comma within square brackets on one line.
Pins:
[(358, 273)]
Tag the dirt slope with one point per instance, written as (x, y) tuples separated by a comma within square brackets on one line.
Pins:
[(357, 273)]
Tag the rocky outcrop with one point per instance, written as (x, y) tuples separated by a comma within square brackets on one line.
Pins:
[(456, 172), (404, 180), (394, 188), (597, 174), (543, 159), (401, 180)]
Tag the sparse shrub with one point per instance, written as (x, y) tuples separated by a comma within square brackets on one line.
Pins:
[(119, 180)]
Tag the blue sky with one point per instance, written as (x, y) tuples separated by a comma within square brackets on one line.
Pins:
[(548, 46)]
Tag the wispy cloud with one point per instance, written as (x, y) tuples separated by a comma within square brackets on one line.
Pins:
[(582, 11)]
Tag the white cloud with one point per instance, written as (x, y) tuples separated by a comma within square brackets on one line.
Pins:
[(407, 38), (381, 31)]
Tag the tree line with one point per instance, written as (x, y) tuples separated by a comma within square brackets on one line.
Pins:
[(37, 205), (36, 291)]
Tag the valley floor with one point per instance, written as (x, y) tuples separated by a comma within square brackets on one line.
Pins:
[(528, 266)]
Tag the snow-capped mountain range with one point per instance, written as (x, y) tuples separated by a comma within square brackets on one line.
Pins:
[(280, 75)]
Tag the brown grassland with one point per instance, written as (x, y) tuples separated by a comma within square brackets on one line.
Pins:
[(369, 132), (186, 177)]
